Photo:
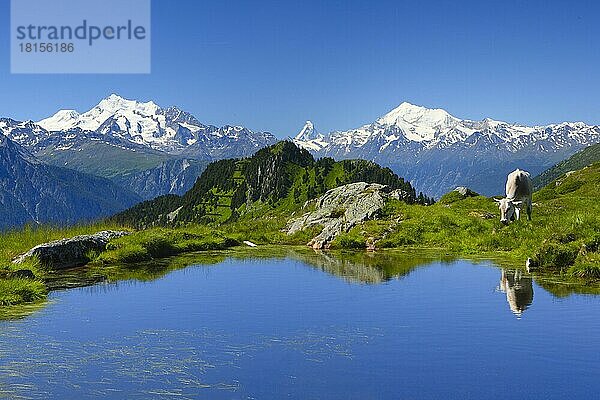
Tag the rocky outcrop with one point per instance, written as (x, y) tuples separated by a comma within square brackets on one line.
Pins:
[(465, 191), (339, 209), (72, 252)]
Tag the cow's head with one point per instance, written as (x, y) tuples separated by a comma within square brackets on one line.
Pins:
[(507, 209)]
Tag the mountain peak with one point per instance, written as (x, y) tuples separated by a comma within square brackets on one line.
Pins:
[(308, 138), (418, 123), (114, 97), (405, 105), (307, 132), (62, 119), (413, 114), (114, 102)]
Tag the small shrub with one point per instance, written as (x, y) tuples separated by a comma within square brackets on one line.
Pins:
[(349, 241), (556, 255), (586, 266)]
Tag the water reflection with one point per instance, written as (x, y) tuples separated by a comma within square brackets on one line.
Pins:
[(367, 268), (518, 289), (354, 267)]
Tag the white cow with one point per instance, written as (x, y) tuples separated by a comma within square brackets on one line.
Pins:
[(519, 189)]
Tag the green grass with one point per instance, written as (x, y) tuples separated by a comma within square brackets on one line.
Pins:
[(12, 243), (138, 247), (19, 291), (15, 242), (161, 242)]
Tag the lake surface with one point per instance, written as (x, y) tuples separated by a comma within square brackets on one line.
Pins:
[(310, 327)]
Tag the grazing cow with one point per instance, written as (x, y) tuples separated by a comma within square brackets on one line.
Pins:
[(518, 194)]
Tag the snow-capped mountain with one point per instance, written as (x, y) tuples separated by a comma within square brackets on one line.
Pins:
[(438, 151), (127, 140), (309, 138), (26, 133), (166, 129)]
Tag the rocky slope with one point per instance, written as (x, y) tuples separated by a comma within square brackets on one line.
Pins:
[(437, 151), (33, 192), (174, 176)]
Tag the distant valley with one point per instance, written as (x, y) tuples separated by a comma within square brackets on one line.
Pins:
[(37, 193)]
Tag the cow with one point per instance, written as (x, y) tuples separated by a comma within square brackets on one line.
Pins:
[(518, 195)]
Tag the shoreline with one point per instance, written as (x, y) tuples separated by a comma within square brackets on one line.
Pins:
[(95, 273)]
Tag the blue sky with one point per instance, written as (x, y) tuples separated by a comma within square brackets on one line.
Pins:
[(270, 65)]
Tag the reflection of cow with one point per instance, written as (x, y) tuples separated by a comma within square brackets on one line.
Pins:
[(518, 289), (518, 194)]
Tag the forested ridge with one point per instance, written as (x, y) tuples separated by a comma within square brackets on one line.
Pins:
[(282, 175)]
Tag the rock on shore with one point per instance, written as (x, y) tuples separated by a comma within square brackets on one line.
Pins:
[(72, 252)]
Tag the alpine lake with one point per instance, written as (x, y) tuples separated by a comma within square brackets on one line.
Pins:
[(286, 322)]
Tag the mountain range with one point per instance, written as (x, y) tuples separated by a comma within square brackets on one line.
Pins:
[(436, 151), (73, 166), (139, 150), (169, 130), (141, 145)]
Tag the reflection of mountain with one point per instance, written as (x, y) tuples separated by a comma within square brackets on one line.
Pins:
[(357, 267), (361, 267), (518, 289)]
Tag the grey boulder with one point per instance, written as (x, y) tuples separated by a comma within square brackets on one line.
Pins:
[(340, 209), (72, 252)]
